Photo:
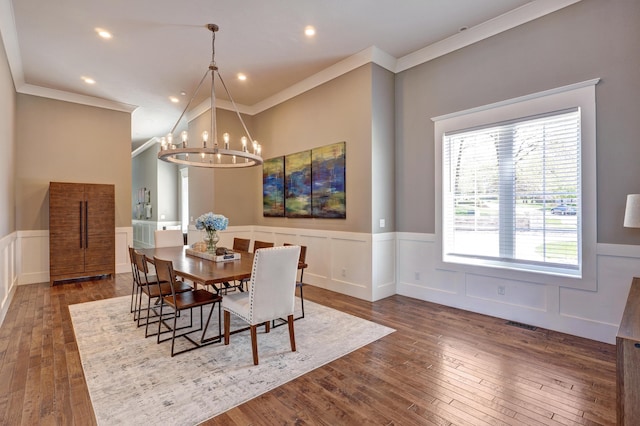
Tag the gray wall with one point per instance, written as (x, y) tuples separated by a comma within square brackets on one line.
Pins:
[(7, 147), (339, 110), (590, 39), (68, 142), (383, 203), (168, 199)]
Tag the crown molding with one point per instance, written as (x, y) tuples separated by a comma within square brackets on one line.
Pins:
[(10, 40), (504, 22), (368, 55), (373, 54), (60, 95), (142, 148)]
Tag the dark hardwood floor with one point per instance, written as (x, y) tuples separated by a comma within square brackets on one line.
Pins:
[(442, 366)]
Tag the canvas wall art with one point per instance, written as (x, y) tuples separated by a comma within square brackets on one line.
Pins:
[(273, 187), (328, 181), (297, 168)]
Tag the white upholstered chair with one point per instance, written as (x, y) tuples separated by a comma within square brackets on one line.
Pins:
[(271, 294), (168, 237)]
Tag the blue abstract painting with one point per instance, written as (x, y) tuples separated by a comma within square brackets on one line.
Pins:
[(297, 169), (273, 187), (328, 186)]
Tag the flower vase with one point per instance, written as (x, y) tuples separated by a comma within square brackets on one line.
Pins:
[(212, 239)]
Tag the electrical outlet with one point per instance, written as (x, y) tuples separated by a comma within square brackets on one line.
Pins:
[(501, 290), (417, 276), (344, 272), (382, 223)]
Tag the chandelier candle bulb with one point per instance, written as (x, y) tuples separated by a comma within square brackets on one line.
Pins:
[(185, 137)]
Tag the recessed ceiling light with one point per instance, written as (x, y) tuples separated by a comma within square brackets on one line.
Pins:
[(103, 33), (242, 77), (88, 80), (174, 99), (309, 31)]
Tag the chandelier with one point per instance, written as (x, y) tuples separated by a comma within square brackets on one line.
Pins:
[(208, 153)]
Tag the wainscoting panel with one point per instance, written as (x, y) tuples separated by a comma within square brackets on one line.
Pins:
[(143, 231), (33, 256), (338, 261), (124, 239), (226, 237), (383, 271), (522, 294), (8, 272), (591, 314)]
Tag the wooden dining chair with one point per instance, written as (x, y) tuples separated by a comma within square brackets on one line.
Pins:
[(182, 301), (135, 281), (271, 294), (154, 288), (241, 244), (257, 245), (168, 237)]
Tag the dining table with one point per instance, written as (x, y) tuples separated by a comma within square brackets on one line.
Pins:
[(200, 270)]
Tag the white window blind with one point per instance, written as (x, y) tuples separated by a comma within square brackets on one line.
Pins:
[(512, 191)]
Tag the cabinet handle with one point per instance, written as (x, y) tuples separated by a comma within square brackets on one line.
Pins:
[(81, 237), (637, 345), (86, 224)]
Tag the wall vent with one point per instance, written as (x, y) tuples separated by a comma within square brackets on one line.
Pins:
[(521, 325)]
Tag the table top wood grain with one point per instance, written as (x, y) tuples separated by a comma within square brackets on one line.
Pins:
[(202, 271)]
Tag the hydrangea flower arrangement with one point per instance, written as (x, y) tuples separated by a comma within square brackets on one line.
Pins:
[(212, 222)]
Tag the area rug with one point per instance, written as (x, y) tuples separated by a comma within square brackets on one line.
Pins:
[(133, 380)]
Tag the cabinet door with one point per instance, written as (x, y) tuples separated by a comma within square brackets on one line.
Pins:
[(100, 226), (66, 233)]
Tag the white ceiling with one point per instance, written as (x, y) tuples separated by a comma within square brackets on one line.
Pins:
[(162, 47)]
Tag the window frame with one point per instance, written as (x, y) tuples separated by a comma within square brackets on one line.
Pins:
[(581, 95)]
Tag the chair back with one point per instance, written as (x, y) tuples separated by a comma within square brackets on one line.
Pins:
[(241, 244), (303, 254), (132, 260), (140, 262), (261, 244), (273, 283), (168, 237), (165, 273), (134, 268)]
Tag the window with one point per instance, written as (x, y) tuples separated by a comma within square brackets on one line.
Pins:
[(512, 191)]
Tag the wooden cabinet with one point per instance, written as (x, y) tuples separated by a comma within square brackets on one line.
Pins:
[(81, 230), (628, 360)]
